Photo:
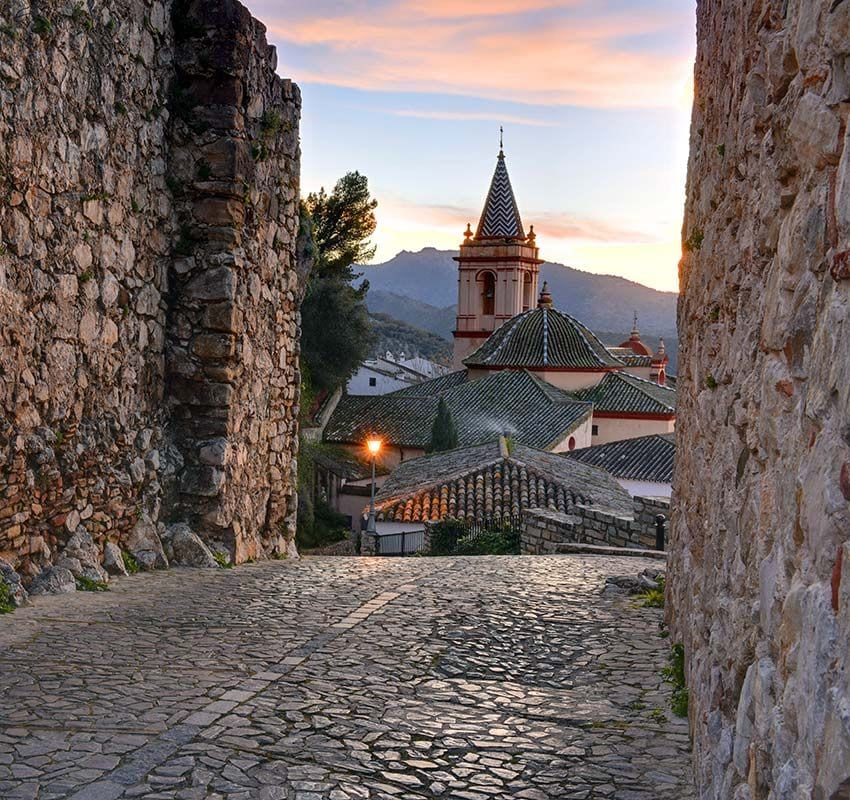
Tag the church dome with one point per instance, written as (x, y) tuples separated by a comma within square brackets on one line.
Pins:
[(543, 338)]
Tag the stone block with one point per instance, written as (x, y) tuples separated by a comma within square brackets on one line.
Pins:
[(218, 283)]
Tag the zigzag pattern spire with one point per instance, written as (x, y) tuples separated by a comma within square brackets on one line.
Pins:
[(500, 218)]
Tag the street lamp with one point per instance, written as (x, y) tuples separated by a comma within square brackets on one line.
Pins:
[(373, 445)]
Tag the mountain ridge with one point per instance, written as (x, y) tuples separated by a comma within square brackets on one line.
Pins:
[(429, 277)]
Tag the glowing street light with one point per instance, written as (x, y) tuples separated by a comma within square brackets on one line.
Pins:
[(373, 445)]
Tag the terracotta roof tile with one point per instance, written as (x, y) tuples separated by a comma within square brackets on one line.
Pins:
[(488, 481)]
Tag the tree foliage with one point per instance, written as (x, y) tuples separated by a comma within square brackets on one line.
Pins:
[(443, 432), (343, 221), (336, 334)]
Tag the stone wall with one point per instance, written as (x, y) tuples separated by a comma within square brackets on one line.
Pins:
[(759, 584), (543, 529), (148, 298)]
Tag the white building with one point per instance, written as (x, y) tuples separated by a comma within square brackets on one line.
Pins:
[(388, 374)]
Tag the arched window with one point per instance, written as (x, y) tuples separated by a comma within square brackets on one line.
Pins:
[(488, 294), (526, 292), (572, 443)]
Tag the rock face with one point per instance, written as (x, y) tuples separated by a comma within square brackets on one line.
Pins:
[(184, 548), (148, 287), (54, 580), (145, 546), (759, 582), (13, 583)]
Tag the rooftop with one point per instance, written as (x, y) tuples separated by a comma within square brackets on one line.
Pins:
[(543, 338), (495, 479), (500, 218), (647, 458), (621, 393), (515, 403), (629, 357)]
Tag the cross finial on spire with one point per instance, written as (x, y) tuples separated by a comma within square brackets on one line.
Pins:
[(501, 138)]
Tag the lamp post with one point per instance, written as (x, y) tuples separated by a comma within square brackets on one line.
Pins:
[(373, 444)]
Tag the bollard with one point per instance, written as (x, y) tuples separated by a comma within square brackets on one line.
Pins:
[(660, 519)]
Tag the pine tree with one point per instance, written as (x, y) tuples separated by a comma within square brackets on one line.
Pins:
[(443, 432)]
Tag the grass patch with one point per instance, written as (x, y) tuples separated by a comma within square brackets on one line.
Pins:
[(130, 564), (710, 382), (652, 598), (85, 584), (82, 17), (7, 605), (658, 715), (42, 26), (223, 560), (674, 674), (271, 122), (695, 240)]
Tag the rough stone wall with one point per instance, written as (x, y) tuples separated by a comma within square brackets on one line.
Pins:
[(118, 225), (543, 530), (759, 584), (233, 360)]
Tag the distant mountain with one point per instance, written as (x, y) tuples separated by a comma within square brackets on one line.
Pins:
[(440, 321), (602, 302), (399, 337)]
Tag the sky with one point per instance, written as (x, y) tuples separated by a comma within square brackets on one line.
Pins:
[(594, 97)]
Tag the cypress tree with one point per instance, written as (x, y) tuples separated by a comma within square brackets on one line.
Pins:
[(443, 432)]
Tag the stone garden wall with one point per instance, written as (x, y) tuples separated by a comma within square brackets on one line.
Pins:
[(759, 577), (543, 529), (148, 294)]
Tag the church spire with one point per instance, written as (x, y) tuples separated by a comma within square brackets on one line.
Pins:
[(500, 218)]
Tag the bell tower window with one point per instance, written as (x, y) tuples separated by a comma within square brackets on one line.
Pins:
[(526, 291), (488, 294)]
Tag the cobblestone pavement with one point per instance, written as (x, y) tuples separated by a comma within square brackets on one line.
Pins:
[(465, 678)]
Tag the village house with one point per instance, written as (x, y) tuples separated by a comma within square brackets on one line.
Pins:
[(495, 480), (643, 466), (387, 374), (523, 368)]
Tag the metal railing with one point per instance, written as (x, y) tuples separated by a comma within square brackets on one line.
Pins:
[(406, 543)]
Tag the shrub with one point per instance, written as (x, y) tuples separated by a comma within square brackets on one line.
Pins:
[(653, 598), (7, 605), (695, 240), (454, 537), (85, 584), (674, 674), (42, 26), (130, 563), (323, 527)]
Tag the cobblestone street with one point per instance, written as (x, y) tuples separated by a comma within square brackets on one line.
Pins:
[(465, 678)]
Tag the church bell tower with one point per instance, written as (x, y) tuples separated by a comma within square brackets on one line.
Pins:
[(498, 268)]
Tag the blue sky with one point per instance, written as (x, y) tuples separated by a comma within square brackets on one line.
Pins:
[(594, 96)]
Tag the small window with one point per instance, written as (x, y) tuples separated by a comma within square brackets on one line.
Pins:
[(594, 430), (373, 381), (488, 294), (572, 443)]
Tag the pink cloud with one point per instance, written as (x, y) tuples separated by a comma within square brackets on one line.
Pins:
[(509, 119), (471, 48), (547, 225)]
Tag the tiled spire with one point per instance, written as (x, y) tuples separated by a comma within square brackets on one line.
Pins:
[(500, 218)]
